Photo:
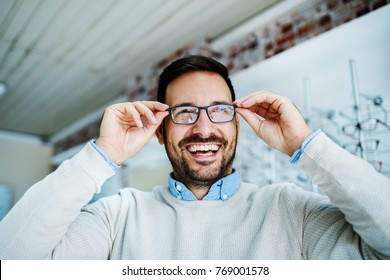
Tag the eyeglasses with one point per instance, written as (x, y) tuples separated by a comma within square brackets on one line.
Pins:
[(377, 165), (366, 126), (370, 146), (219, 113), (381, 167), (374, 106)]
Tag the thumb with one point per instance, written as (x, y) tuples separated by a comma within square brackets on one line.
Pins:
[(251, 118), (150, 128)]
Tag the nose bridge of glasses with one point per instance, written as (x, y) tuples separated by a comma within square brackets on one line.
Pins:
[(203, 125), (206, 114)]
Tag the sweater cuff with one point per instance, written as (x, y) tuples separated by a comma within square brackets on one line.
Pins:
[(112, 164), (93, 163), (295, 157)]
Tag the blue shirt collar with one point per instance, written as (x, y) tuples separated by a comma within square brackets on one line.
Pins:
[(223, 189)]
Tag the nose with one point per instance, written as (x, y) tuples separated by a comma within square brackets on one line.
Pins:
[(203, 125)]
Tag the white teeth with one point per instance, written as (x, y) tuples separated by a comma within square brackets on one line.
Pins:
[(202, 148)]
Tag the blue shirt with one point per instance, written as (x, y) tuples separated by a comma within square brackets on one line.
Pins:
[(223, 189)]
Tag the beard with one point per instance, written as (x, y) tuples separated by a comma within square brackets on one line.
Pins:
[(202, 173)]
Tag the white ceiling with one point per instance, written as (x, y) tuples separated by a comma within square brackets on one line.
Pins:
[(62, 59)]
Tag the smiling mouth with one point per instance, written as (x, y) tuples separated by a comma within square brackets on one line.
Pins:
[(203, 150)]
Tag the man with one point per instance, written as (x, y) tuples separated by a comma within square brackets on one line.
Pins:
[(206, 212)]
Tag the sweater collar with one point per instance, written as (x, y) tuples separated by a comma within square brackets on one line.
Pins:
[(223, 189)]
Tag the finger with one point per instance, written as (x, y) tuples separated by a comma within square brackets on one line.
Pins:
[(251, 118), (160, 116), (150, 129), (155, 106), (159, 119), (261, 97), (239, 102), (145, 111), (268, 105), (124, 112), (133, 113), (264, 110)]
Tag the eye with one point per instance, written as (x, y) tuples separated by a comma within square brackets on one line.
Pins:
[(185, 110), (222, 109), (185, 114)]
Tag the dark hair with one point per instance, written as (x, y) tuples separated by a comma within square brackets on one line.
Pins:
[(188, 64)]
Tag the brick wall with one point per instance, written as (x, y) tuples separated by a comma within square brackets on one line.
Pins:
[(293, 28)]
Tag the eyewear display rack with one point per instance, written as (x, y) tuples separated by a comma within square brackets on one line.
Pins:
[(361, 127)]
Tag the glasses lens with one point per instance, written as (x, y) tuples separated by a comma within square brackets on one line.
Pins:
[(369, 124), (221, 113), (352, 147), (377, 164), (370, 145), (184, 114), (350, 129)]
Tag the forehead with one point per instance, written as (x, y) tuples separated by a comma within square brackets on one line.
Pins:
[(198, 88)]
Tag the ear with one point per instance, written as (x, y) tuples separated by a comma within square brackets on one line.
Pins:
[(160, 133)]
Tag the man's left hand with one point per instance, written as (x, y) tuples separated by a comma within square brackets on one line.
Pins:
[(275, 119)]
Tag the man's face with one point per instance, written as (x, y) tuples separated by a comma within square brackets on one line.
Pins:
[(203, 152)]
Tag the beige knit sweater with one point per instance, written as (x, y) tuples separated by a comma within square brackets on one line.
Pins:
[(278, 221)]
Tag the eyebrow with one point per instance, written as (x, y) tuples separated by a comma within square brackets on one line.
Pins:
[(192, 104)]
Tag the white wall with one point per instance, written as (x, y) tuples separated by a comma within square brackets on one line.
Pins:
[(22, 163)]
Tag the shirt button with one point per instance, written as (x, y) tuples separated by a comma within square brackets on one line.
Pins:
[(179, 188), (224, 196), (178, 197)]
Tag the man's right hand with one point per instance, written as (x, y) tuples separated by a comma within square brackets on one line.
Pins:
[(127, 127)]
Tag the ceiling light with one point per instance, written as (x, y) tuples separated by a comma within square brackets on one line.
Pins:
[(3, 88)]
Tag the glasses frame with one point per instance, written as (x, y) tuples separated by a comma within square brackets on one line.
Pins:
[(361, 127), (359, 146), (199, 108)]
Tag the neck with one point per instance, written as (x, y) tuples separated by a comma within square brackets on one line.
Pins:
[(199, 189), (199, 192)]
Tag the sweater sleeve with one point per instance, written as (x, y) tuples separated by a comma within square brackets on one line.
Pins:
[(362, 228), (40, 219)]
